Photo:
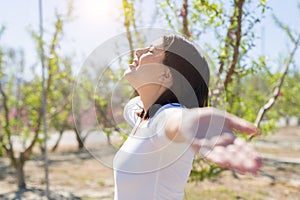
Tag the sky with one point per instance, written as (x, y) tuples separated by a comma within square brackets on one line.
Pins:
[(98, 20)]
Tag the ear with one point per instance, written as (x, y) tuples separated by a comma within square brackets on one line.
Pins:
[(166, 78)]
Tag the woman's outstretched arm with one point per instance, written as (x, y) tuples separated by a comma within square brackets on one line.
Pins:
[(210, 132)]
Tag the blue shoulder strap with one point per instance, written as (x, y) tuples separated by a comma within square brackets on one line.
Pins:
[(170, 105)]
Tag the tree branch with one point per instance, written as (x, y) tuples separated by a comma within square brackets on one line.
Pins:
[(276, 90), (184, 14), (128, 18), (238, 34), (9, 149), (228, 40), (54, 43)]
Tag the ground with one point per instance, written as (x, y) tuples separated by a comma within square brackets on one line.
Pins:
[(78, 175)]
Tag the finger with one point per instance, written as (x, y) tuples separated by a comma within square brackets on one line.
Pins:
[(235, 154), (216, 156), (207, 148), (246, 158), (223, 140), (235, 158), (241, 125)]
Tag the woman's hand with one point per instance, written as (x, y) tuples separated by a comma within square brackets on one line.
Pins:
[(229, 151), (210, 132), (215, 141)]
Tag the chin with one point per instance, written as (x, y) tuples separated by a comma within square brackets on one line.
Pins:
[(128, 76), (127, 71)]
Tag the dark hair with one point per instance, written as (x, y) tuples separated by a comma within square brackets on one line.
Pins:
[(190, 76)]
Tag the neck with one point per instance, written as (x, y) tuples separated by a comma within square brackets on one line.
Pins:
[(149, 97), (147, 102)]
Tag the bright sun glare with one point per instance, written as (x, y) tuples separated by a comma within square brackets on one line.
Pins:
[(98, 9)]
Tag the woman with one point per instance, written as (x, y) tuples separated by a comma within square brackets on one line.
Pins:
[(171, 123)]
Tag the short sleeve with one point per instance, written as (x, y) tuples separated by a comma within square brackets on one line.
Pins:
[(157, 123), (131, 109)]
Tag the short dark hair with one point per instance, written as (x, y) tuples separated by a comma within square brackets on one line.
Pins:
[(190, 73)]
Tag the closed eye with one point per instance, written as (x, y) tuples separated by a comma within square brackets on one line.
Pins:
[(151, 49)]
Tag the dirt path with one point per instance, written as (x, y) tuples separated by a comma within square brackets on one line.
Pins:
[(77, 175)]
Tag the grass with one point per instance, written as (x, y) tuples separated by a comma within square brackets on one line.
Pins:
[(88, 198), (262, 192), (101, 183), (196, 191)]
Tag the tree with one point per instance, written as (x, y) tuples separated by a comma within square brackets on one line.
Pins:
[(289, 99), (239, 82), (62, 120), (231, 25), (22, 108), (295, 40)]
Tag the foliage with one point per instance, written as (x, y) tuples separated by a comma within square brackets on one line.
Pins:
[(21, 114), (288, 98), (203, 169), (239, 83)]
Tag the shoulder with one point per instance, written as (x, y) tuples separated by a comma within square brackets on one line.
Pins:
[(134, 103), (168, 122), (165, 111)]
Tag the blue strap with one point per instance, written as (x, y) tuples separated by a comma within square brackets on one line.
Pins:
[(170, 105)]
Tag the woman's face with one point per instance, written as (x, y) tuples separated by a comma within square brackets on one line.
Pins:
[(146, 68)]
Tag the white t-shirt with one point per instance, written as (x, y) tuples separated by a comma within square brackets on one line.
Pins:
[(149, 166)]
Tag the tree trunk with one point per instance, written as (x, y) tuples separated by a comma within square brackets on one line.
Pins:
[(58, 140), (287, 121), (108, 138), (79, 140), (20, 175)]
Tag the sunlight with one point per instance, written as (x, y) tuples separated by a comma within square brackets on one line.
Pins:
[(97, 10)]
